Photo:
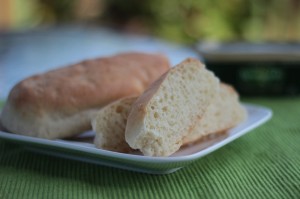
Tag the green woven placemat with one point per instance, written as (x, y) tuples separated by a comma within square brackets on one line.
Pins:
[(262, 164)]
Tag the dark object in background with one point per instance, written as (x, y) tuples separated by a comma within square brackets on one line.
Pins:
[(265, 69)]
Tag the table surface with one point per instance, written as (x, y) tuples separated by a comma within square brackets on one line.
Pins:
[(264, 163)]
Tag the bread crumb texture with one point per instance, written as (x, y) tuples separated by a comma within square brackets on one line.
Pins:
[(109, 125), (224, 113), (167, 112)]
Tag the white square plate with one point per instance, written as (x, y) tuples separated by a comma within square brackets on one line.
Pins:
[(86, 151)]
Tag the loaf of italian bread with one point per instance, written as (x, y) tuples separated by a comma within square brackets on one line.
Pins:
[(224, 113), (169, 109), (61, 102), (110, 123)]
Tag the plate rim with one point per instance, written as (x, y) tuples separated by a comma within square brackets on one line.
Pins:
[(21, 139)]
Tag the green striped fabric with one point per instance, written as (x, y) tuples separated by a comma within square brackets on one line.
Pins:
[(262, 164)]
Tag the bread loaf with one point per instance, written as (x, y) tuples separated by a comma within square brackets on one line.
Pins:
[(110, 123), (61, 102), (225, 113), (169, 109)]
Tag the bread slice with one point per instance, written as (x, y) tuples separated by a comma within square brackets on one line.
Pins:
[(61, 102), (225, 113), (109, 125), (168, 110)]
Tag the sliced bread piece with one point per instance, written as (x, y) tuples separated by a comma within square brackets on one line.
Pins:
[(225, 113), (168, 110), (109, 125)]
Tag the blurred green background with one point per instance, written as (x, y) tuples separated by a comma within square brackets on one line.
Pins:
[(181, 21)]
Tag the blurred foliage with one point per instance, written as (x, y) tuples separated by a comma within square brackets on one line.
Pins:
[(31, 13), (189, 20), (57, 11)]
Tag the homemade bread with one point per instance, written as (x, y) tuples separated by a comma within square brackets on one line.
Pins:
[(110, 123), (225, 113), (61, 102), (169, 109)]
